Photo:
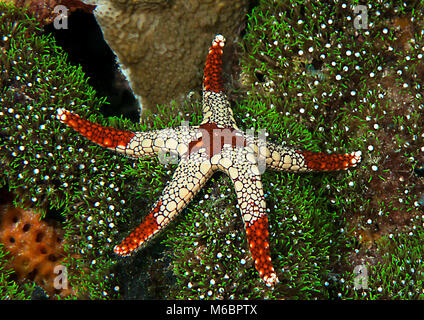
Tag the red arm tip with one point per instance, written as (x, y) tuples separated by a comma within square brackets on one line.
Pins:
[(212, 80)]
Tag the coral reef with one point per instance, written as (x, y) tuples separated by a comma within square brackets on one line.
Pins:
[(205, 150), (96, 194), (311, 78), (161, 45)]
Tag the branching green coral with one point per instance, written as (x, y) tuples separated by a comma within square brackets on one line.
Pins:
[(399, 272)]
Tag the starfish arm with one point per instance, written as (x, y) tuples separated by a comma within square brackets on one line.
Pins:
[(212, 74), (216, 108), (246, 178), (131, 144), (107, 137), (173, 141), (283, 158), (189, 177)]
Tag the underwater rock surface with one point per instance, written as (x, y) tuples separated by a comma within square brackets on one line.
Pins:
[(161, 46)]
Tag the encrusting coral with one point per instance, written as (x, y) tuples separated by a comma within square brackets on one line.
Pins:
[(161, 45), (10, 289), (35, 249)]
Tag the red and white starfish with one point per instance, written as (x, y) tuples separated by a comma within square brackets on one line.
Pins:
[(217, 144)]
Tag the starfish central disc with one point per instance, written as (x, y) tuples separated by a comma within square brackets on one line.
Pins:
[(214, 138)]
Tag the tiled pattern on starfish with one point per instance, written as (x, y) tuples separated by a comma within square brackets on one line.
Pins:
[(187, 180), (285, 158), (245, 174), (216, 144), (216, 109)]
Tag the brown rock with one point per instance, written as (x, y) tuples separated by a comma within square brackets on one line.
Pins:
[(162, 45)]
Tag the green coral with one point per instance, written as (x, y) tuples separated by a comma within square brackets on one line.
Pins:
[(9, 289), (352, 89), (398, 274), (49, 169)]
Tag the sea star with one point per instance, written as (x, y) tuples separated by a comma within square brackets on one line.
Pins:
[(217, 144)]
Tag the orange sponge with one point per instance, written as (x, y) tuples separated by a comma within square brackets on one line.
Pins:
[(35, 249)]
